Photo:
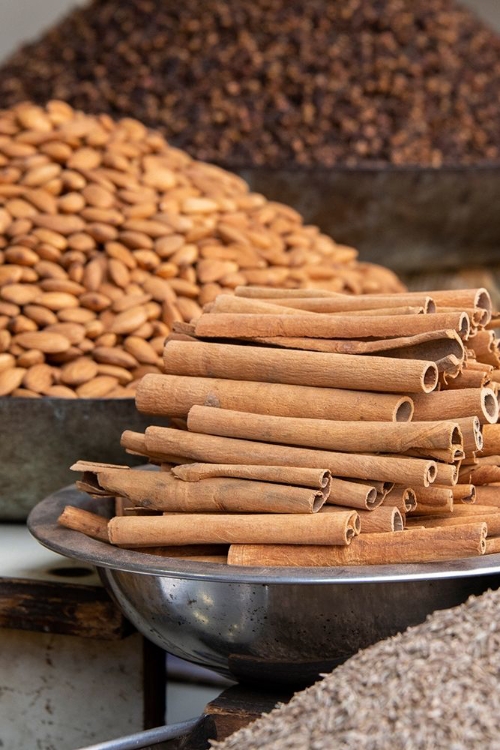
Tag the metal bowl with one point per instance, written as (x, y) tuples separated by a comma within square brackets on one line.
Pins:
[(274, 625), (41, 438), (405, 218)]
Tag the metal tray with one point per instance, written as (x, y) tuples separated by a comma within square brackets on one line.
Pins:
[(283, 625)]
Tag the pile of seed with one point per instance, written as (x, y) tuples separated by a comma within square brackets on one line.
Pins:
[(108, 236), (270, 82), (433, 687)]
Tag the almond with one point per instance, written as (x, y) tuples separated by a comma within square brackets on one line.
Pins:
[(61, 224), (114, 356), (38, 378), (74, 332), (19, 294), (24, 393), (98, 387), (129, 320), (61, 391), (5, 339), (56, 300), (79, 371), (140, 349), (6, 361), (11, 379), (41, 315), (49, 343), (124, 376), (10, 274), (30, 357)]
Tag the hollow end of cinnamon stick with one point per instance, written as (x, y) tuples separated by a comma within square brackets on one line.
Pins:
[(430, 378), (403, 411), (489, 404)]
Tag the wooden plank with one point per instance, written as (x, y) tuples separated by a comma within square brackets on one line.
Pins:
[(64, 608)]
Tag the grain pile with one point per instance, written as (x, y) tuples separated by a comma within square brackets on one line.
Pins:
[(434, 687), (296, 445), (108, 236), (322, 82)]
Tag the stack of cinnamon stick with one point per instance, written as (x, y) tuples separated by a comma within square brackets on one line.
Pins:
[(315, 428)]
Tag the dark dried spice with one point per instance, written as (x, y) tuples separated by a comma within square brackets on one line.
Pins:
[(276, 82)]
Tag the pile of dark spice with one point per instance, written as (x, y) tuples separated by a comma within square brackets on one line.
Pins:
[(274, 82), (435, 687)]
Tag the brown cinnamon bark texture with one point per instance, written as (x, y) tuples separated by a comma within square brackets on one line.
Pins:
[(198, 359), (171, 395), (403, 498), (88, 523), (357, 437), (468, 402), (491, 440), (409, 546), (464, 493), (228, 303), (343, 303), (248, 326), (492, 521), (488, 495), (163, 491), (319, 479), (192, 528), (354, 495), (214, 449), (381, 519), (433, 346), (435, 496), (493, 545)]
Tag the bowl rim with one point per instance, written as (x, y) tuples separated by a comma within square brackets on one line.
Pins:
[(42, 523)]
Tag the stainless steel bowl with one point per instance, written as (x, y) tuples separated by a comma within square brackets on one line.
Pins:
[(262, 624)]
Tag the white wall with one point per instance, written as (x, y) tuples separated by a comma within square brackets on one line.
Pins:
[(22, 20)]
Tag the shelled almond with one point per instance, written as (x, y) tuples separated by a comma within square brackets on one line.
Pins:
[(108, 236)]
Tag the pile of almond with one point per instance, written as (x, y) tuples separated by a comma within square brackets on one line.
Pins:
[(108, 236)]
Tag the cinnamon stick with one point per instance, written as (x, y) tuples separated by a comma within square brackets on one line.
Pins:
[(491, 440), (468, 402), (493, 545), (408, 546), (170, 395), (478, 475), (472, 433), (353, 372), (446, 474), (435, 496), (464, 493), (214, 449), (228, 303), (248, 326), (354, 495), (492, 520), (317, 301), (433, 346), (384, 518), (163, 491), (183, 528), (403, 498), (88, 523), (358, 437), (319, 479), (488, 495)]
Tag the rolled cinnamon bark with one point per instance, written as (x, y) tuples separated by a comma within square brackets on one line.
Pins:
[(228, 303), (488, 495), (214, 449), (408, 546), (384, 518), (491, 440), (170, 395), (457, 298), (435, 496), (358, 437), (332, 302), (200, 359), (431, 510), (472, 433), (446, 474), (319, 479), (493, 545), (322, 326), (485, 346), (492, 520), (163, 491), (354, 495), (468, 379), (464, 493), (468, 402), (431, 345), (403, 498), (210, 553), (478, 475), (88, 523), (216, 528), (466, 511), (135, 443)]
